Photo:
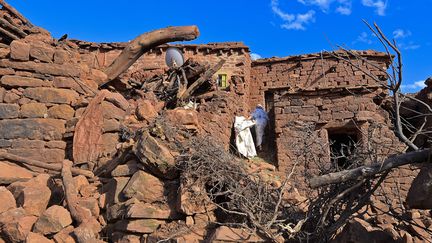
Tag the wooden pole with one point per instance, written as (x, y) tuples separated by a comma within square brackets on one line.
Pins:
[(36, 163), (83, 232), (368, 171), (144, 43), (9, 34), (206, 76), (9, 26)]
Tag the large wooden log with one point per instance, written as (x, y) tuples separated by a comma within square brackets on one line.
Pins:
[(39, 164), (84, 232), (144, 43), (368, 171)]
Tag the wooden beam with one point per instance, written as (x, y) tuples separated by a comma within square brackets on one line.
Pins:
[(371, 170), (83, 232), (12, 27), (8, 34), (206, 76), (144, 43), (36, 163)]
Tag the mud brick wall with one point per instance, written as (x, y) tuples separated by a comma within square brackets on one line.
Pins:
[(303, 122), (411, 110), (218, 114), (311, 72), (238, 62), (45, 88)]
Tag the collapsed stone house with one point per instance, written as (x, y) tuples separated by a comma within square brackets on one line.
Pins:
[(340, 101), (47, 85)]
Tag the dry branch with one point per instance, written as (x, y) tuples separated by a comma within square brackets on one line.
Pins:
[(144, 43), (245, 199), (36, 163), (179, 84), (368, 171), (84, 233)]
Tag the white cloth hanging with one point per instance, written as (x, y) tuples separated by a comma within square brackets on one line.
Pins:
[(244, 141), (261, 119)]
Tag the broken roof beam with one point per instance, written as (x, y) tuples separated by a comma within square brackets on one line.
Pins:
[(143, 43), (6, 25), (205, 77), (8, 34)]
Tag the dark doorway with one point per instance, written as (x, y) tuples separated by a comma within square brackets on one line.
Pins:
[(270, 134), (342, 146)]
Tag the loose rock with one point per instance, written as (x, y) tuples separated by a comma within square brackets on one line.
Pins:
[(54, 219), (144, 187)]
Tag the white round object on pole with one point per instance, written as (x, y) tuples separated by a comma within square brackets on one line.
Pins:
[(174, 57)]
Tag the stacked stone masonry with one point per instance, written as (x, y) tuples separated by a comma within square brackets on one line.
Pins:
[(43, 94), (46, 85), (312, 95), (314, 72)]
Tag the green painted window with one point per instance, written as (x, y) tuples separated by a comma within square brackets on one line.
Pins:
[(222, 80)]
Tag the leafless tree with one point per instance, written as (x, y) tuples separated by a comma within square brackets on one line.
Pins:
[(353, 187)]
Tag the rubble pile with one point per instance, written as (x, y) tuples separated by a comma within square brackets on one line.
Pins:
[(126, 185), (137, 197), (83, 161), (180, 83), (378, 223)]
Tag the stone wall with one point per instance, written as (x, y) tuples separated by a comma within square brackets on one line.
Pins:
[(305, 120), (45, 87), (218, 115), (313, 71), (238, 62)]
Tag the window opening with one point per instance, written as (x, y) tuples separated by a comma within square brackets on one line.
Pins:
[(342, 147), (222, 80)]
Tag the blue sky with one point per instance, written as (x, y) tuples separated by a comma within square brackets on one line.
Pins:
[(268, 27)]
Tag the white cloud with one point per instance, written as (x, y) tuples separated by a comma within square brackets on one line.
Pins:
[(344, 10), (323, 4), (285, 16), (255, 56), (363, 38), (400, 33), (408, 46), (344, 6), (300, 21), (379, 5), (414, 87), (404, 44), (293, 21)]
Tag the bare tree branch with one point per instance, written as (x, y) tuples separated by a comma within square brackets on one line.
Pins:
[(368, 171)]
